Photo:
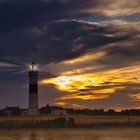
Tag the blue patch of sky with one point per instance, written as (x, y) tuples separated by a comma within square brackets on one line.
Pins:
[(106, 19)]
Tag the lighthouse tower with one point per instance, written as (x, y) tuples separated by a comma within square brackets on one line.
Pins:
[(33, 90)]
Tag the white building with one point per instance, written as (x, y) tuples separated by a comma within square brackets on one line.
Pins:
[(7, 112), (59, 112), (25, 112)]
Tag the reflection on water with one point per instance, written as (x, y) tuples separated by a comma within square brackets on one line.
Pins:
[(71, 134)]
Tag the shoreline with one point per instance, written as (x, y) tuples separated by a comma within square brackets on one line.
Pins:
[(52, 122)]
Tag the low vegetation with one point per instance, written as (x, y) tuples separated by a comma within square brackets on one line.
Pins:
[(49, 121)]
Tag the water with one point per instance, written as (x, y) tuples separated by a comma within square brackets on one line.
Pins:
[(71, 134)]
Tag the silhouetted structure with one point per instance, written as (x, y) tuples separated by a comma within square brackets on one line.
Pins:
[(71, 111), (47, 110), (11, 111), (33, 90)]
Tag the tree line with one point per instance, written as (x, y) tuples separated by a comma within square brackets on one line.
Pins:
[(46, 110)]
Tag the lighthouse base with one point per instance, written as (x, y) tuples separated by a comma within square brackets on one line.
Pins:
[(33, 111), (33, 104)]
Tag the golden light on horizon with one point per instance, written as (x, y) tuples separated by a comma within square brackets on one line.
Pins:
[(103, 91), (87, 57), (94, 86), (70, 83), (82, 85), (60, 103), (85, 97), (136, 96)]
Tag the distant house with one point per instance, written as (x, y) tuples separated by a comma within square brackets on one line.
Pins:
[(15, 111), (7, 112), (59, 112), (12, 111), (25, 112)]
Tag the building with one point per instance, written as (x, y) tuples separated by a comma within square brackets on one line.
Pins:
[(12, 111), (25, 112), (59, 112), (33, 90)]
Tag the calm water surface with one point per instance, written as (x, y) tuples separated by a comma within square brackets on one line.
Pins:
[(71, 134)]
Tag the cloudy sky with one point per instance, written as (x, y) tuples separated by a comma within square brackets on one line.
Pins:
[(87, 50)]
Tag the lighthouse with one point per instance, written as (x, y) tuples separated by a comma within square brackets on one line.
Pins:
[(33, 90)]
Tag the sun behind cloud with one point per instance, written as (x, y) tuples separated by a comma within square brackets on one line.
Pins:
[(95, 86)]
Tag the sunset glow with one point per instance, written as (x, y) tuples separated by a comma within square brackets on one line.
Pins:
[(87, 52), (94, 86)]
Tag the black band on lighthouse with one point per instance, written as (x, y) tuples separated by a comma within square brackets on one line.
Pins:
[(33, 89)]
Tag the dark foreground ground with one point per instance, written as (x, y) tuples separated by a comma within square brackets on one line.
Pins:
[(109, 133)]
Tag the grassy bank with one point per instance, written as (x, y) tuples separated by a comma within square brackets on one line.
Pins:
[(80, 121)]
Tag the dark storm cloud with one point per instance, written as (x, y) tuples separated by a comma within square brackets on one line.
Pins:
[(16, 14), (62, 40), (69, 39)]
